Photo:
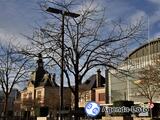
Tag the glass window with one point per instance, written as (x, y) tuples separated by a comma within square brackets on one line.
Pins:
[(101, 96), (24, 96), (30, 95), (38, 94)]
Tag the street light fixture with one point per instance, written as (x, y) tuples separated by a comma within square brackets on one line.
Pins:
[(73, 15), (65, 13)]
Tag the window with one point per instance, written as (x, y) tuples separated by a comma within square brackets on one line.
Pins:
[(30, 96), (101, 96), (24, 96), (38, 94), (87, 95)]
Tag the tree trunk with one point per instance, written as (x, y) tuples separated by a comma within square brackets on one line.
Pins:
[(150, 109), (151, 113), (76, 96), (5, 109)]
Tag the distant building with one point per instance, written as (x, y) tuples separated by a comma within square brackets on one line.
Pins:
[(12, 97), (42, 90), (122, 86), (117, 86), (95, 89)]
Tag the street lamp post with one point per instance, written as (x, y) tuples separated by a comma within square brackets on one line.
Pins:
[(73, 15)]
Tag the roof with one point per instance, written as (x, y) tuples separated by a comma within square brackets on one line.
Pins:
[(41, 77), (90, 83), (142, 46), (48, 81)]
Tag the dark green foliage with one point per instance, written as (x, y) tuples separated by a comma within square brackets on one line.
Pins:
[(156, 110), (120, 104), (10, 113), (123, 103), (80, 112), (26, 114), (41, 111)]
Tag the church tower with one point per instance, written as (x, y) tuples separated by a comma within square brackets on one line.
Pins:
[(40, 72)]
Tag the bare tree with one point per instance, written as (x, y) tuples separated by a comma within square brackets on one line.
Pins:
[(148, 83), (13, 70), (90, 41)]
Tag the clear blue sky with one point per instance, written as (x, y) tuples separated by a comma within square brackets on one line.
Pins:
[(19, 16)]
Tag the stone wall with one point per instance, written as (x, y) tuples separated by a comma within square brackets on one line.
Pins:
[(112, 118), (42, 118), (121, 118), (142, 118)]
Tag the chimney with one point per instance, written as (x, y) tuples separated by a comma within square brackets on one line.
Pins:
[(98, 78), (106, 87)]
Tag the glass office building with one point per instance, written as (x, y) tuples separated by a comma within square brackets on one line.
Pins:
[(121, 86)]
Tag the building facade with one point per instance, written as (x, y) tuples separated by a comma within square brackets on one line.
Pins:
[(122, 86), (11, 99), (43, 91), (94, 89)]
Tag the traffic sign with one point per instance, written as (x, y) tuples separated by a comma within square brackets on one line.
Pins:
[(150, 105)]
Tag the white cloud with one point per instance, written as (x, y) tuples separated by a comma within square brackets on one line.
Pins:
[(149, 19), (156, 35), (155, 17), (155, 1), (138, 15), (117, 9), (15, 38)]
